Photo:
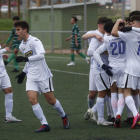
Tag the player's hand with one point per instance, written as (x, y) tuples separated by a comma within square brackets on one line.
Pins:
[(20, 77), (99, 38), (67, 39), (21, 59), (126, 29), (5, 56), (4, 45), (7, 49), (120, 21), (107, 69), (76, 44)]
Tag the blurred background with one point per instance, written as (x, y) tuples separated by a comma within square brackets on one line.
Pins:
[(49, 20)]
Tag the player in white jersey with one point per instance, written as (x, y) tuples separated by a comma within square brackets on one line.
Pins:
[(132, 72), (39, 76), (5, 85), (101, 85), (117, 59)]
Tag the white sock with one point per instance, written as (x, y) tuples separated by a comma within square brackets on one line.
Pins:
[(106, 100), (90, 102), (59, 108), (111, 110), (94, 108), (121, 103), (114, 100), (9, 104), (131, 105), (100, 108), (129, 113), (39, 113), (136, 100)]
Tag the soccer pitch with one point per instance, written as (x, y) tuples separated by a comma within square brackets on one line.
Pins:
[(71, 89)]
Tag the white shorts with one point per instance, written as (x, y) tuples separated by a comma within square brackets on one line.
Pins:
[(102, 81), (118, 75), (40, 86), (130, 81), (92, 86), (5, 82)]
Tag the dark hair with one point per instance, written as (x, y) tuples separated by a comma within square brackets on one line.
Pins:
[(16, 18), (127, 19), (135, 18), (134, 13), (108, 26), (75, 19), (103, 20), (121, 24), (22, 24)]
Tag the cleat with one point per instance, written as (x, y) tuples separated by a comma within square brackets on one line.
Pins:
[(43, 128), (15, 70), (88, 60), (104, 122), (118, 121), (87, 115), (12, 119), (65, 122), (71, 64), (5, 62), (93, 116), (129, 120), (135, 121)]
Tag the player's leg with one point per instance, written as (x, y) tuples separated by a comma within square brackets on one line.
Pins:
[(33, 98), (15, 51), (72, 58), (120, 104), (6, 87), (135, 96), (130, 82), (84, 56)]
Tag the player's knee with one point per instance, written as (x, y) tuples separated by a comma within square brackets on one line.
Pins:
[(51, 102), (92, 94), (33, 101)]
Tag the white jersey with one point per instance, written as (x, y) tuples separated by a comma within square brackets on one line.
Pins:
[(132, 40), (2, 66), (93, 46), (35, 70), (116, 51)]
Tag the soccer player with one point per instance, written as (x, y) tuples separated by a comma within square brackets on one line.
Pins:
[(131, 78), (76, 42), (117, 60), (39, 76), (5, 85), (15, 46), (101, 78)]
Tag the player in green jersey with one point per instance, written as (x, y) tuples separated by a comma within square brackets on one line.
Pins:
[(76, 42), (15, 46)]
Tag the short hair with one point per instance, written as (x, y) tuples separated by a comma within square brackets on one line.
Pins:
[(108, 26), (127, 19), (22, 24), (75, 19), (136, 12), (103, 20), (16, 18), (135, 18), (121, 24)]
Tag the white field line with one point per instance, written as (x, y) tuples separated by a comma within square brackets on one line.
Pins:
[(58, 71)]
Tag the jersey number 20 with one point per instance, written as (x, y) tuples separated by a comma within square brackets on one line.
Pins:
[(121, 47)]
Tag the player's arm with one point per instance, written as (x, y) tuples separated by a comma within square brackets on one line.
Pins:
[(6, 49), (116, 28), (126, 29), (92, 47), (76, 43), (88, 36), (67, 39), (97, 56), (10, 38), (38, 46)]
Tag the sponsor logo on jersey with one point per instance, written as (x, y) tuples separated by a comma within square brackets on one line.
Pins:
[(29, 53)]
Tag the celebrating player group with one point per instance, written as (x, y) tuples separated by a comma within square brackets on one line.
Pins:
[(115, 70)]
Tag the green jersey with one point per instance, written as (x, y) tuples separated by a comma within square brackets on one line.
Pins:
[(75, 31), (15, 37)]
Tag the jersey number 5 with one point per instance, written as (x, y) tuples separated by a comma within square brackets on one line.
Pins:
[(121, 47)]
